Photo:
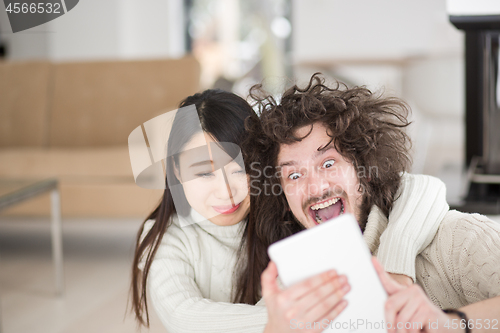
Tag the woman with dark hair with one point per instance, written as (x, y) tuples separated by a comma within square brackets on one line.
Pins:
[(186, 243), (188, 247)]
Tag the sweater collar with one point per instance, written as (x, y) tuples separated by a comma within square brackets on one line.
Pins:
[(221, 232), (375, 226)]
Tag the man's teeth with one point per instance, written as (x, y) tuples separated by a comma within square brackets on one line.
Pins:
[(325, 204), (319, 220)]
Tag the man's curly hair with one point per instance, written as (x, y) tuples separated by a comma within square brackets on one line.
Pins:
[(366, 129)]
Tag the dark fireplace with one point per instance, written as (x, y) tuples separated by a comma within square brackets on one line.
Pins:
[(482, 52)]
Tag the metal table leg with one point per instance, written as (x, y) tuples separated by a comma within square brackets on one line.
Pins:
[(1, 309), (57, 254)]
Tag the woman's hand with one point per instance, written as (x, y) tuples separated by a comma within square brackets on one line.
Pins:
[(318, 299), (408, 309)]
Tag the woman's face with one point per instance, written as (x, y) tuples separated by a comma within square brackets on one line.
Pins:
[(214, 184)]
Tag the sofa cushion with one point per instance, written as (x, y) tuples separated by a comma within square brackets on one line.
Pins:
[(111, 163), (89, 199), (24, 91), (93, 181), (97, 104)]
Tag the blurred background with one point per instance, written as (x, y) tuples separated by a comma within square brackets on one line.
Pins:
[(72, 90)]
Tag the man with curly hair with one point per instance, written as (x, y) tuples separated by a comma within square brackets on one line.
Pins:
[(321, 152)]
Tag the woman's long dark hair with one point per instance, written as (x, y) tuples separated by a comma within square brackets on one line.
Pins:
[(222, 115)]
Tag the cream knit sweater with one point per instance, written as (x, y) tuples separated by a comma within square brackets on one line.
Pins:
[(462, 263), (191, 280), (191, 277)]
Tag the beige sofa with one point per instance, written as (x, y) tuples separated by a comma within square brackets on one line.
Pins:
[(72, 120)]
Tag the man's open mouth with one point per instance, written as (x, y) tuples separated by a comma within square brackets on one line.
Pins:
[(326, 210)]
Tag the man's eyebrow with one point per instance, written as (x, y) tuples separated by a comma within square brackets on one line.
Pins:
[(320, 151), (324, 149), (288, 163)]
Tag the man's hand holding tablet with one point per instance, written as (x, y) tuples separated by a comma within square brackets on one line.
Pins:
[(314, 299)]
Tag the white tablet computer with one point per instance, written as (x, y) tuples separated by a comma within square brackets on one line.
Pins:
[(336, 244)]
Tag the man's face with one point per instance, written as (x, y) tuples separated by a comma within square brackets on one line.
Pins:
[(319, 184)]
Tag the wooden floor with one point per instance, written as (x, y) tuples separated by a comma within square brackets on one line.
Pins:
[(97, 261)]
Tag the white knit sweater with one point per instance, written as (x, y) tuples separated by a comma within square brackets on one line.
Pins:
[(460, 266), (191, 277), (191, 280), (413, 222)]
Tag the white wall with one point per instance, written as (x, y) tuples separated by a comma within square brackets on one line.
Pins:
[(88, 31), (367, 29), (110, 29), (151, 28)]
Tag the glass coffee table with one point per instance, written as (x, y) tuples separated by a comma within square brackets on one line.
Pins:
[(14, 191)]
